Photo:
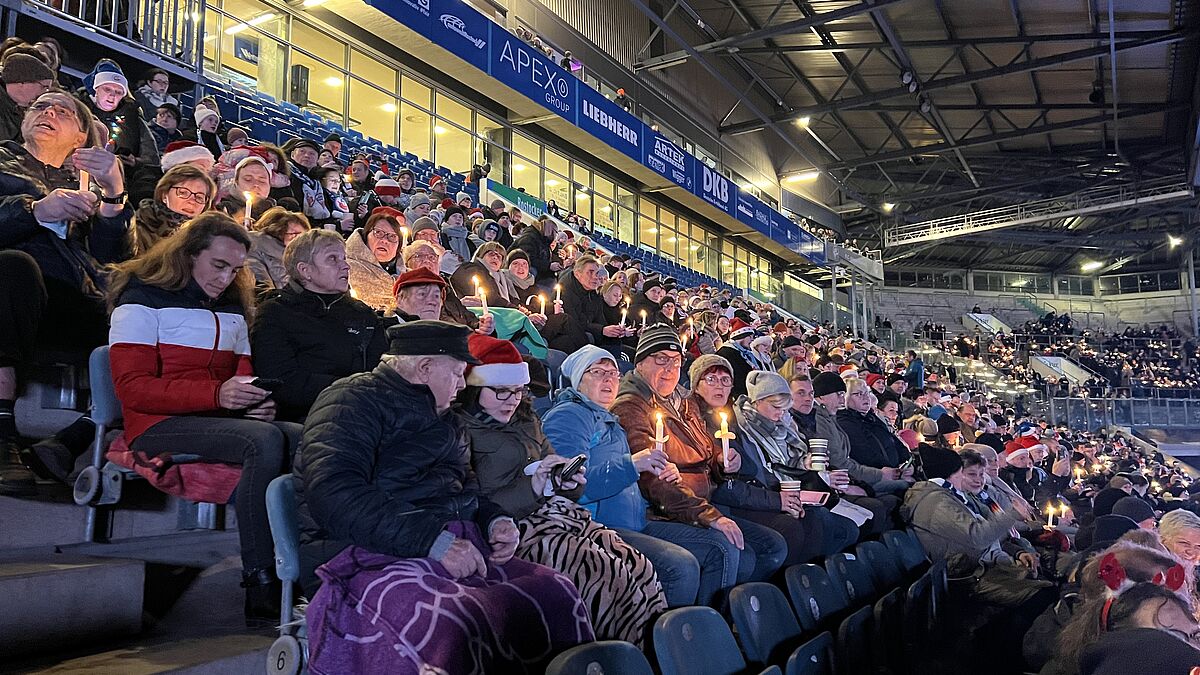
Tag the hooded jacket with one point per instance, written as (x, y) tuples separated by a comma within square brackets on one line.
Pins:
[(310, 340), (370, 281), (537, 247), (687, 446), (265, 261), (946, 527), (576, 425), (585, 307)]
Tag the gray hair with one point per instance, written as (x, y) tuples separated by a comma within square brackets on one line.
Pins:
[(1175, 522), (303, 248)]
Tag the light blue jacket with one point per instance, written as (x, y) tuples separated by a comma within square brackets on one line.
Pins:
[(575, 424)]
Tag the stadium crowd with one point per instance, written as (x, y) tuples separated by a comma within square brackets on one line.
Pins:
[(400, 352)]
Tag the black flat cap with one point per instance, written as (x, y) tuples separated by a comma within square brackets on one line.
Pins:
[(430, 338)]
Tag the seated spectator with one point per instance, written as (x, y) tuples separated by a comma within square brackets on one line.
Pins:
[(535, 243), (272, 233), (765, 450), (154, 93), (871, 442), (331, 211), (208, 134), (679, 493), (252, 174), (373, 255), (516, 268), (580, 422), (584, 310), (419, 207), (23, 78), (182, 193), (616, 581), (491, 256), (53, 243), (106, 93), (454, 234), (737, 351), (652, 293), (187, 152), (310, 332), (179, 399), (419, 294), (795, 354), (1180, 532), (305, 190), (422, 253), (385, 492), (165, 126), (951, 528)]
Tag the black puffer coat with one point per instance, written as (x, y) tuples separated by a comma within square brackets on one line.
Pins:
[(378, 467), (537, 247), (309, 341), (871, 442)]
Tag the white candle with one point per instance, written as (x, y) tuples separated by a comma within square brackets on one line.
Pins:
[(557, 293), (724, 435), (624, 313), (542, 297), (249, 206), (403, 238), (658, 431), (483, 301), (1050, 519), (84, 180), (643, 319), (475, 282)]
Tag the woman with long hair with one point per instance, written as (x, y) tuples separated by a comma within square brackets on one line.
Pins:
[(180, 353), (183, 192)]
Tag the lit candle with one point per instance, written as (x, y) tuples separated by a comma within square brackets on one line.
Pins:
[(659, 438), (624, 313), (557, 294), (724, 435), (683, 340), (483, 300), (643, 319), (84, 180), (1078, 476), (475, 282), (403, 238), (542, 297), (1050, 519), (249, 206)]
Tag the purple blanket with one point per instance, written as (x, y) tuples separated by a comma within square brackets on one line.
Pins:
[(379, 614)]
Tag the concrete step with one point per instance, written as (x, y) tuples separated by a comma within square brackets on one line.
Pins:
[(52, 600), (222, 655)]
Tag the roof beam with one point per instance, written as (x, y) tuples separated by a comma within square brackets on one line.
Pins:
[(975, 141), (954, 42), (784, 28), (1022, 66)]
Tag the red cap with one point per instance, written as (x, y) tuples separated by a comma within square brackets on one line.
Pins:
[(418, 277)]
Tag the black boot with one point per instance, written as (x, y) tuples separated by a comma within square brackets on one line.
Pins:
[(263, 591), (16, 480)]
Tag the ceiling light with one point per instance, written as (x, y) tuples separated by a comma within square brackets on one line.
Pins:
[(727, 263), (581, 195), (439, 130), (803, 122), (694, 247), (518, 167), (747, 186), (651, 230), (671, 240), (256, 21), (653, 127), (1173, 240), (887, 207), (606, 209), (551, 183), (388, 107), (333, 81), (804, 176), (312, 3), (1091, 266)]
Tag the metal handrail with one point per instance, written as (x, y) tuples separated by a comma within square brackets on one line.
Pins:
[(171, 29)]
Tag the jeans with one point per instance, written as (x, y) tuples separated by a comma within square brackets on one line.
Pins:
[(819, 533), (765, 549), (717, 557), (678, 570), (263, 449), (891, 487)]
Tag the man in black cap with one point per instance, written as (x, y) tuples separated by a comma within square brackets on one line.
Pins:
[(333, 143), (303, 154), (382, 467), (23, 78)]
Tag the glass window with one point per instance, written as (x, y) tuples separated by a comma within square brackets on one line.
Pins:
[(583, 192), (1168, 281), (668, 243), (557, 181), (313, 84), (415, 131), (624, 223), (526, 165), (602, 215), (603, 187), (454, 142), (372, 70), (491, 139), (372, 112), (248, 55), (416, 92)]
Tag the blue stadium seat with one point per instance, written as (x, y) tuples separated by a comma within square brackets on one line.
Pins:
[(765, 623), (889, 627), (693, 640), (814, 657), (853, 576), (606, 657), (285, 531), (816, 600), (885, 573), (907, 551)]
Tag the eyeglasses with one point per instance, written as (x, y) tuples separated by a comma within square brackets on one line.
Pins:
[(663, 361), (426, 257), (715, 381), (386, 236), (505, 394), (186, 194), (161, 80), (59, 109), (603, 373)]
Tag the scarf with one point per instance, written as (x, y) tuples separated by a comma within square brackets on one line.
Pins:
[(777, 444), (211, 141), (519, 284), (456, 238), (156, 99)]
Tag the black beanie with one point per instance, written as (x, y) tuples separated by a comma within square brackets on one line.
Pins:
[(828, 383), (515, 254), (1105, 500), (939, 462), (947, 424)]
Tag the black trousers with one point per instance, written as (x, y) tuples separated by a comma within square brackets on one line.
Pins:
[(43, 312)]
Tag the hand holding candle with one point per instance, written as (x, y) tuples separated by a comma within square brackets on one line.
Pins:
[(725, 436), (659, 436), (542, 297), (249, 208), (624, 312)]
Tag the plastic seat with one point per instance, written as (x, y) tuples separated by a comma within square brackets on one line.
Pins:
[(692, 640), (854, 641), (814, 657), (287, 652), (853, 576), (917, 621), (606, 657), (884, 571), (765, 622), (906, 551), (554, 361), (815, 599), (889, 625)]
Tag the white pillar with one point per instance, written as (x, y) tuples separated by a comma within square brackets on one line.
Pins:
[(853, 302), (833, 295)]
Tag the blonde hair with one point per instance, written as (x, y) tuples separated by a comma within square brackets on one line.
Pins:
[(275, 220)]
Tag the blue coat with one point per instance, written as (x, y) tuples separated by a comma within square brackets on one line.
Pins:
[(575, 424)]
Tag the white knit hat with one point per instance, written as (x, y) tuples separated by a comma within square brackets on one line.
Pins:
[(182, 152), (203, 113)]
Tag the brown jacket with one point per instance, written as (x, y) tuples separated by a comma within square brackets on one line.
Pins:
[(688, 447)]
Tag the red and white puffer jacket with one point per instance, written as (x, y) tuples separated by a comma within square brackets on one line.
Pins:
[(170, 352)]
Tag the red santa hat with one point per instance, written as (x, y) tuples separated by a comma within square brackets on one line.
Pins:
[(740, 329), (182, 152), (1013, 449), (386, 187), (502, 365)]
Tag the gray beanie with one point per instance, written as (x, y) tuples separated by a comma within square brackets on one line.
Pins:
[(583, 358), (461, 196), (703, 364), (423, 223), (761, 384), (1133, 508), (418, 199)]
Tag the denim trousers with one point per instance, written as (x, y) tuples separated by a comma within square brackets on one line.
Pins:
[(677, 569), (263, 449)]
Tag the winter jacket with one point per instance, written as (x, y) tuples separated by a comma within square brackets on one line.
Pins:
[(640, 303), (872, 443), (915, 374), (75, 260), (11, 116), (576, 424), (687, 446), (265, 261), (753, 487), (585, 307), (152, 222), (537, 247), (370, 281), (172, 350), (311, 340), (499, 455), (839, 448), (379, 468), (947, 527), (741, 368), (163, 137), (128, 133), (150, 101)]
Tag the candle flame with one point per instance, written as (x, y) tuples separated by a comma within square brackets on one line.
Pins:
[(724, 417), (248, 195)]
